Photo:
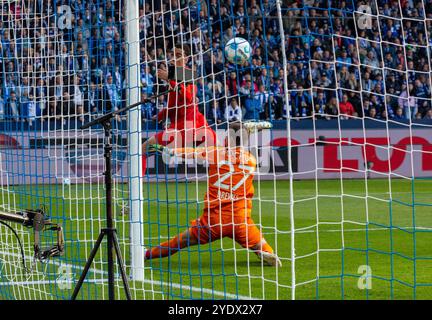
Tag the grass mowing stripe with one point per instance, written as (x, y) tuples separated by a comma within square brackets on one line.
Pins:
[(105, 273), (232, 270)]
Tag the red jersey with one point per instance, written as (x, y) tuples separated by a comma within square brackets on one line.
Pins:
[(182, 109)]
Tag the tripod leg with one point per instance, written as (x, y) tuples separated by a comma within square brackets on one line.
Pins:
[(87, 266), (121, 266)]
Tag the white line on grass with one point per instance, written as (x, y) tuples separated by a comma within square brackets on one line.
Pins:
[(153, 282), (42, 282), (312, 229)]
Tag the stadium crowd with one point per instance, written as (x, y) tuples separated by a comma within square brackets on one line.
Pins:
[(336, 65)]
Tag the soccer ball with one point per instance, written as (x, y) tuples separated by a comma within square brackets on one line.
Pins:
[(238, 50)]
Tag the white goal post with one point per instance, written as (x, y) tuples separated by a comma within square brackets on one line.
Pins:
[(134, 139)]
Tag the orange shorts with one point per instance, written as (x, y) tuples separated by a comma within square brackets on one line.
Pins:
[(243, 231)]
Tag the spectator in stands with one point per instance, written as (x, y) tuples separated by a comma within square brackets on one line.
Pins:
[(304, 102), (66, 106), (113, 94), (343, 76), (422, 92), (354, 99), (365, 106), (160, 104), (366, 82), (28, 108), (248, 97), (332, 108), (276, 87), (78, 97), (109, 30), (346, 109), (407, 101), (215, 113), (148, 108), (324, 81), (399, 114), (372, 113), (344, 57), (93, 99), (24, 88), (372, 59), (248, 86), (147, 81), (383, 115), (233, 111), (215, 89), (264, 79), (320, 105), (38, 94), (392, 99), (204, 95), (13, 107), (252, 108), (232, 84), (376, 102), (294, 101), (352, 83), (264, 103), (2, 105)]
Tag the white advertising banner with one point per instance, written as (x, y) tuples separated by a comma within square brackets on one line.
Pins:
[(326, 154)]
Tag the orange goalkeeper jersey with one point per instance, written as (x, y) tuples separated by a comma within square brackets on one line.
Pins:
[(230, 179)]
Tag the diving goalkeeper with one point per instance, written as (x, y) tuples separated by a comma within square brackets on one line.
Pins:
[(188, 126), (228, 202)]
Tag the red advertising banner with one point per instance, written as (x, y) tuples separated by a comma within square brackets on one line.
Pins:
[(71, 157)]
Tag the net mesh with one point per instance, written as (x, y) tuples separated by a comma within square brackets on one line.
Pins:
[(343, 178)]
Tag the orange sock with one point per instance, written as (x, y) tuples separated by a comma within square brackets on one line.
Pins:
[(263, 246), (266, 248), (165, 249)]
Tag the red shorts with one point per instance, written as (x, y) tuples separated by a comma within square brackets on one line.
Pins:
[(187, 138), (242, 230)]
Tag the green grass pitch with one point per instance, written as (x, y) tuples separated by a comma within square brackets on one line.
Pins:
[(332, 241)]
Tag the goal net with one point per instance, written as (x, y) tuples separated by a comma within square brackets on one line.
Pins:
[(342, 182)]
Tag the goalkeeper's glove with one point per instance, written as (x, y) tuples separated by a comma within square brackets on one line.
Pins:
[(158, 148), (153, 148)]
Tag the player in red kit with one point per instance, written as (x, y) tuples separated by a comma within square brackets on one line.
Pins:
[(188, 126)]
